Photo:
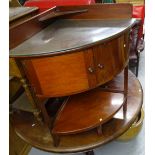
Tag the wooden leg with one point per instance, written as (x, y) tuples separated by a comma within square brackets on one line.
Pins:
[(33, 103), (38, 116), (125, 90), (137, 66), (44, 113), (125, 109), (56, 140), (126, 81), (90, 152), (99, 130)]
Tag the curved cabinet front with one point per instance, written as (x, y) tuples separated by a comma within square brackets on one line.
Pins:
[(79, 71)]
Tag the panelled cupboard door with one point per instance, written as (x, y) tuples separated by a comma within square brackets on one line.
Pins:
[(110, 59), (79, 71), (58, 75)]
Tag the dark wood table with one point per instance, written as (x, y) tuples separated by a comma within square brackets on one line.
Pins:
[(39, 136), (77, 52)]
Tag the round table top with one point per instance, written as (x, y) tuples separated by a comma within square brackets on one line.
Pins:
[(38, 135), (63, 36)]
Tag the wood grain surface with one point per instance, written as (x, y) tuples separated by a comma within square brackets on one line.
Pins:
[(72, 73), (85, 111), (39, 136)]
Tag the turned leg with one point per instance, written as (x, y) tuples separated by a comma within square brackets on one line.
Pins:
[(38, 117), (99, 130), (90, 152), (125, 109), (137, 65), (125, 90), (37, 112), (56, 140)]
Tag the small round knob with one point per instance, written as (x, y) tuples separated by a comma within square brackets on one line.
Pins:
[(90, 70), (100, 66), (124, 45)]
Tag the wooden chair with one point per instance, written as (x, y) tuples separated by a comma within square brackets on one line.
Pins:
[(136, 46)]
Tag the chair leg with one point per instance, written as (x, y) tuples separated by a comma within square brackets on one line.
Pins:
[(90, 152), (56, 140), (137, 66)]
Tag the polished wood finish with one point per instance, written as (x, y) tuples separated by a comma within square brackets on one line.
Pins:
[(20, 32), (117, 11), (16, 71), (90, 68), (93, 67), (57, 63), (85, 111), (26, 126), (59, 14), (71, 36), (100, 11), (125, 88), (109, 65), (19, 14), (59, 77)]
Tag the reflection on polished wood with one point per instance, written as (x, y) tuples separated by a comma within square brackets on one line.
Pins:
[(76, 72), (39, 135), (19, 14), (70, 55), (66, 35), (75, 51), (87, 110), (59, 13), (20, 33)]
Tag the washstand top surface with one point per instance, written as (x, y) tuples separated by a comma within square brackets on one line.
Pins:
[(64, 36)]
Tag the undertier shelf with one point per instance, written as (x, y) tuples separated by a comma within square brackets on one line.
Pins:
[(38, 135), (86, 111)]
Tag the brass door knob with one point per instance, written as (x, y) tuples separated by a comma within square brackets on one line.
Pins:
[(90, 70), (100, 66)]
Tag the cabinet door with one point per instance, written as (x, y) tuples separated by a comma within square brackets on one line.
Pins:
[(58, 75), (110, 59)]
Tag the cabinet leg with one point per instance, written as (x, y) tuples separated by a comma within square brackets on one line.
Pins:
[(37, 115), (90, 152), (99, 130), (125, 90), (125, 109), (56, 140)]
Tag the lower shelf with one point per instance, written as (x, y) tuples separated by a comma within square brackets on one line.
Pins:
[(86, 111), (38, 135)]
